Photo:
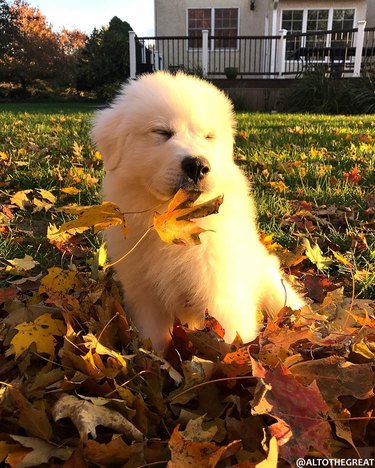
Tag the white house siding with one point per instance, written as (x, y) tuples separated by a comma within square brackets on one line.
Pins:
[(371, 13), (171, 15)]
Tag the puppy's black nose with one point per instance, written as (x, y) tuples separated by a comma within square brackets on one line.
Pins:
[(196, 168)]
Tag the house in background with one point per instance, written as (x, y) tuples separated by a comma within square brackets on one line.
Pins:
[(256, 17), (259, 41), (245, 35)]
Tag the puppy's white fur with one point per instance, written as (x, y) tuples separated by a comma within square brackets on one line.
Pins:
[(231, 274)]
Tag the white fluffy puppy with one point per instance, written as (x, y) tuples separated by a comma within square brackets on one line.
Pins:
[(161, 133)]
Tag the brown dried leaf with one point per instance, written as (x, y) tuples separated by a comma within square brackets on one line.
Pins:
[(33, 421), (115, 452), (192, 447), (86, 416), (41, 451)]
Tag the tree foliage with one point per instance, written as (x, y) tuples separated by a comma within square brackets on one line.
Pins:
[(104, 60), (31, 49), (7, 25)]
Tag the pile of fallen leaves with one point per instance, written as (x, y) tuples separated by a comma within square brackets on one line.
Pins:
[(80, 387)]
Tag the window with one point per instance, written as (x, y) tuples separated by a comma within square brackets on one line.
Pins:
[(292, 21), (316, 20), (342, 19), (226, 26), (198, 20), (220, 22)]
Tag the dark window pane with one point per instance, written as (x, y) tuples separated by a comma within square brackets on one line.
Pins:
[(198, 19), (226, 27), (317, 20), (292, 20), (343, 19)]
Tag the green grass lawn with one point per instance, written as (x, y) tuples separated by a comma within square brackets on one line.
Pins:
[(65, 339), (311, 176)]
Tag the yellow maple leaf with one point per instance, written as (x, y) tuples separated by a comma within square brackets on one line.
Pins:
[(175, 225), (98, 216), (41, 332), (57, 239), (318, 152), (21, 199), (341, 259), (362, 348), (5, 159), (40, 205), (92, 343), (77, 150), (47, 195), (315, 255), (297, 129), (75, 175), (97, 156), (267, 241), (278, 185), (70, 190), (18, 266), (59, 281)]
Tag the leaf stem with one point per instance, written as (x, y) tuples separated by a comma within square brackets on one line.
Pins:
[(129, 251), (224, 379)]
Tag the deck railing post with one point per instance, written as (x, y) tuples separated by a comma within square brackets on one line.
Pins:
[(205, 53), (359, 48), (282, 53), (156, 60), (132, 56)]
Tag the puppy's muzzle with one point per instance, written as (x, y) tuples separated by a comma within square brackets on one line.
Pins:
[(195, 168)]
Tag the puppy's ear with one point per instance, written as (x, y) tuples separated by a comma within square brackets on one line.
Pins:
[(109, 135)]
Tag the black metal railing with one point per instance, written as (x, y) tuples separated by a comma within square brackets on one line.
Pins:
[(171, 53), (252, 56), (258, 56), (332, 49)]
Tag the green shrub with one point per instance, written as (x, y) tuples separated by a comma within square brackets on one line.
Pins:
[(364, 95), (108, 91), (317, 92)]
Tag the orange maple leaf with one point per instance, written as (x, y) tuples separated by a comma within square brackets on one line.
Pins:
[(353, 176), (175, 225)]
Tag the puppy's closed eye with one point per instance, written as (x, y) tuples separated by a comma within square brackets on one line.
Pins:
[(166, 133)]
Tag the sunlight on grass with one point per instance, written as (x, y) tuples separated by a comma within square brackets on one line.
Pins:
[(311, 176)]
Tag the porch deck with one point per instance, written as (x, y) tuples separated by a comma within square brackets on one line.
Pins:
[(346, 53)]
